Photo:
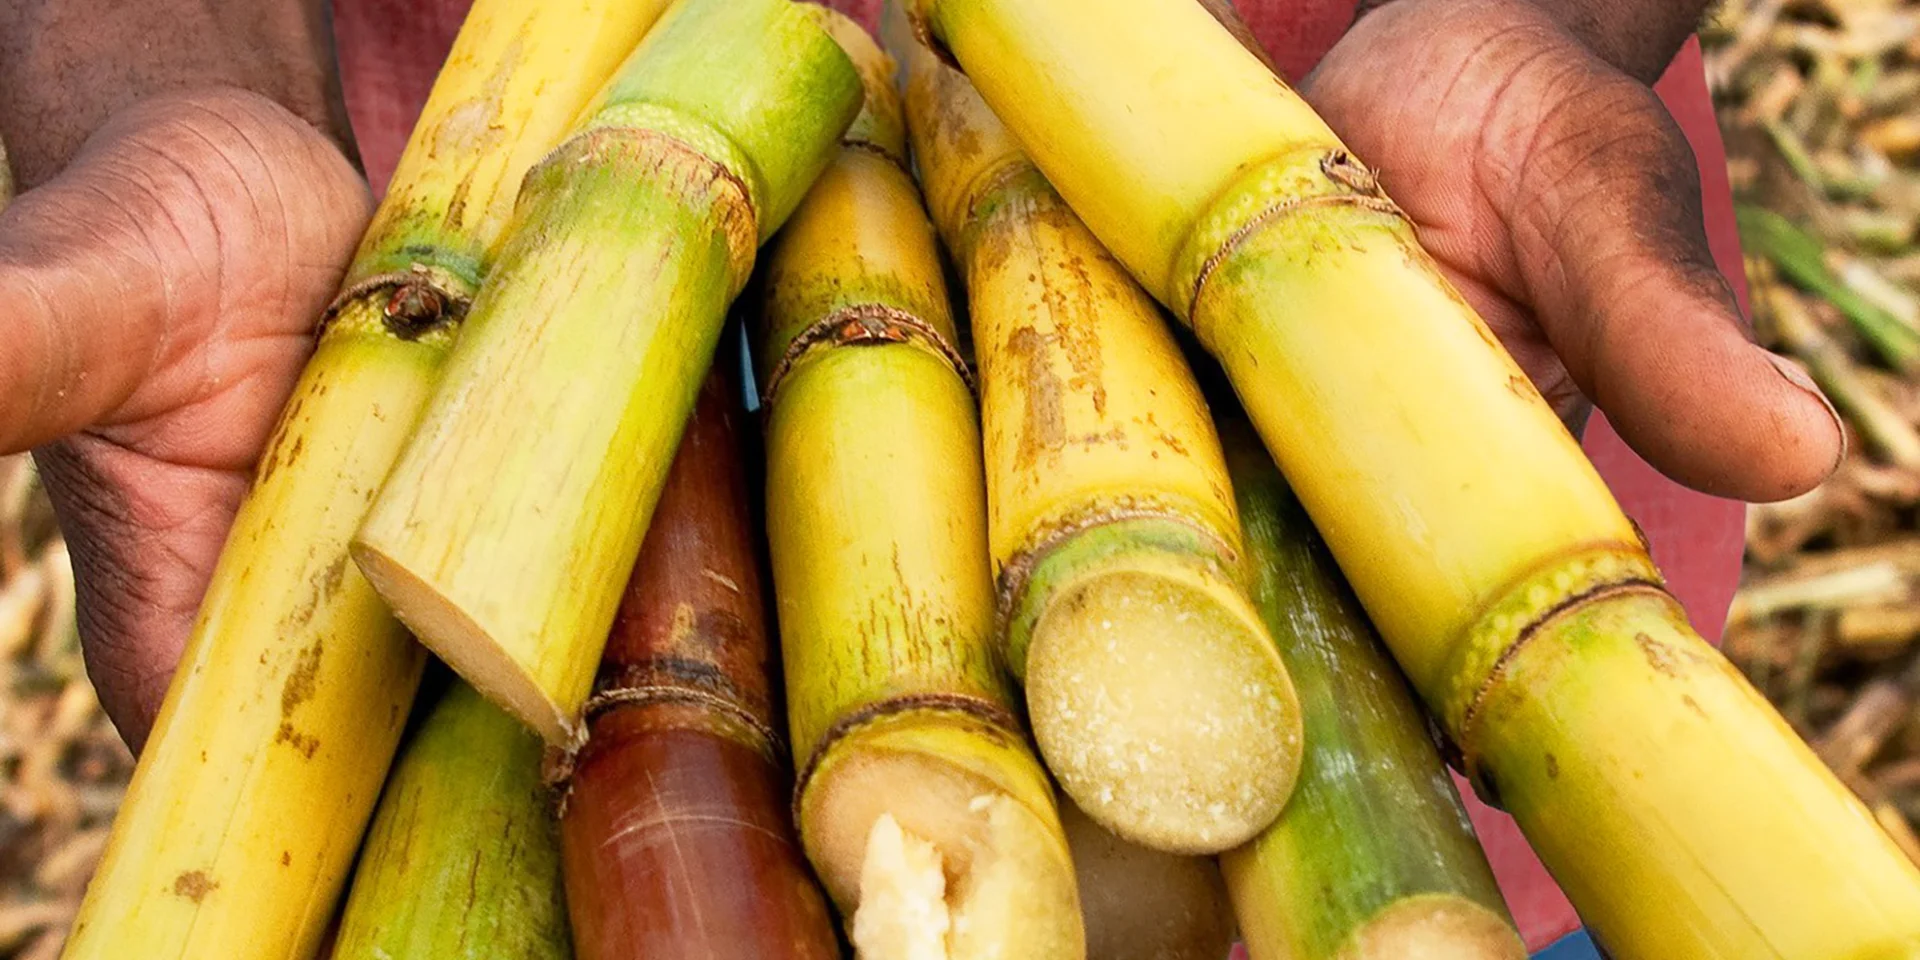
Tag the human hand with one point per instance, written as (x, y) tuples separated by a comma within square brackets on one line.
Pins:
[(157, 299), (1562, 200)]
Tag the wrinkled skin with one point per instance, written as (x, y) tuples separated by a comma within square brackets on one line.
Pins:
[(159, 288)]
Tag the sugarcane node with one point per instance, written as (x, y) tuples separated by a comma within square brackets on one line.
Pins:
[(1018, 569), (413, 302), (864, 324), (662, 139), (1346, 173), (766, 739), (884, 153), (1469, 761), (1523, 604), (985, 711)]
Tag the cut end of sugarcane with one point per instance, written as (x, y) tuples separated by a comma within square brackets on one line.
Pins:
[(463, 645), (1435, 927), (1143, 904), (1163, 707), (903, 912), (933, 862)]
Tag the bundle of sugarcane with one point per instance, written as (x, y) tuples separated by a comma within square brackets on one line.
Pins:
[(919, 800), (296, 680), (1373, 857), (678, 837), (508, 526), (1144, 904), (1680, 814), (1157, 698), (463, 859)]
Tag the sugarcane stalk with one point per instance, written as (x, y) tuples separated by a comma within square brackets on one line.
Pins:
[(1682, 816), (506, 529), (677, 831), (463, 859), (1156, 695), (295, 682), (1374, 857), (920, 802), (6, 178), (1145, 904)]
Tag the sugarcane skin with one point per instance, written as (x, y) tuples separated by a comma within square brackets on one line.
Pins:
[(1374, 825), (677, 827), (463, 859), (663, 254), (295, 683), (486, 125), (1096, 432), (287, 627), (503, 533), (898, 704)]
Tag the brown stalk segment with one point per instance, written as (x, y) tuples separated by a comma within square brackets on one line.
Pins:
[(677, 838)]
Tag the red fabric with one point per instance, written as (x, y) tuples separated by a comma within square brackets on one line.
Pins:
[(390, 51)]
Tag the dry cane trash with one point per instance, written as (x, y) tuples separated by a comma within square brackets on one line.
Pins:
[(296, 681), (1682, 816), (505, 532), (678, 828), (920, 801)]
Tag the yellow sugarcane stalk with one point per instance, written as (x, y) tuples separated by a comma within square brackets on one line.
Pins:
[(509, 523), (919, 801), (1156, 695), (1682, 816), (250, 798)]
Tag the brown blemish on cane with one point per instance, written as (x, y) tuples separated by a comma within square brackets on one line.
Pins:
[(194, 885), (298, 689), (1553, 767), (1658, 656), (1043, 424)]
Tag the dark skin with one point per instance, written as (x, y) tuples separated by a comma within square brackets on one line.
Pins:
[(191, 207)]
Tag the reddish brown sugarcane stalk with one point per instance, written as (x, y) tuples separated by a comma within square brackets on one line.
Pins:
[(677, 835)]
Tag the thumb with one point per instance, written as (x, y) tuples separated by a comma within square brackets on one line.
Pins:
[(147, 246), (1602, 196)]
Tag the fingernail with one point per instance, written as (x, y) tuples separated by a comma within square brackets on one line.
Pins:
[(1798, 376)]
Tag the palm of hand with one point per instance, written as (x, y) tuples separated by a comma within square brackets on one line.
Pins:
[(1562, 200), (166, 288)]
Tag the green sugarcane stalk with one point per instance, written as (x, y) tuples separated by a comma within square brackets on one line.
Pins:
[(1374, 856), (463, 859)]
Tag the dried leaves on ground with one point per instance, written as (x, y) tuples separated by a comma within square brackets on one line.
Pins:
[(1820, 104), (63, 768)]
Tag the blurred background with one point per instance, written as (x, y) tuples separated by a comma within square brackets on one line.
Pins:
[(1819, 101)]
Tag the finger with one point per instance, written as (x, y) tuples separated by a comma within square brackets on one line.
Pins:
[(1602, 197), (116, 270)]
